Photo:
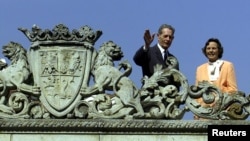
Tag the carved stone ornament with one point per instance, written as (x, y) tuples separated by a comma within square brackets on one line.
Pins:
[(52, 80)]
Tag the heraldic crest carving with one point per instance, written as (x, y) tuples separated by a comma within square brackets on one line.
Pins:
[(52, 80)]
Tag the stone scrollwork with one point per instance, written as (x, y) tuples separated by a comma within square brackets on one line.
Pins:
[(215, 104), (163, 93), (63, 76)]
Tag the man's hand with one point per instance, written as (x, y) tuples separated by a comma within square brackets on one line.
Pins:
[(148, 38)]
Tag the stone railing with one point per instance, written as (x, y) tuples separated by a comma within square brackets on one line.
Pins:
[(106, 129), (46, 90), (51, 81)]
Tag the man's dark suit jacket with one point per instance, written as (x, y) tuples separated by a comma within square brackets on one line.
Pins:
[(148, 59)]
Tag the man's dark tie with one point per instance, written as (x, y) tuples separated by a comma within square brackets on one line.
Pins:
[(165, 55)]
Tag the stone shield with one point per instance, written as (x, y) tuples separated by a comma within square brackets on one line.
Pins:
[(60, 72)]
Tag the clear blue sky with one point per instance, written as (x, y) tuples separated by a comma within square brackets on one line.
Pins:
[(124, 22)]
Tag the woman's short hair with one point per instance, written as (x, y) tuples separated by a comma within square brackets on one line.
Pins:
[(220, 48)]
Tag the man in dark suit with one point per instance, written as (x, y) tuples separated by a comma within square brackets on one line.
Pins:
[(147, 57)]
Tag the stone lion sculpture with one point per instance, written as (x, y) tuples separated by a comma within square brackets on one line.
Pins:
[(14, 76), (108, 77)]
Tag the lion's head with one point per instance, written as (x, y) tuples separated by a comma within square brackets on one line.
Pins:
[(112, 50), (108, 52), (14, 51)]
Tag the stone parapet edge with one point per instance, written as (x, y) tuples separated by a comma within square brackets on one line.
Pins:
[(111, 126)]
